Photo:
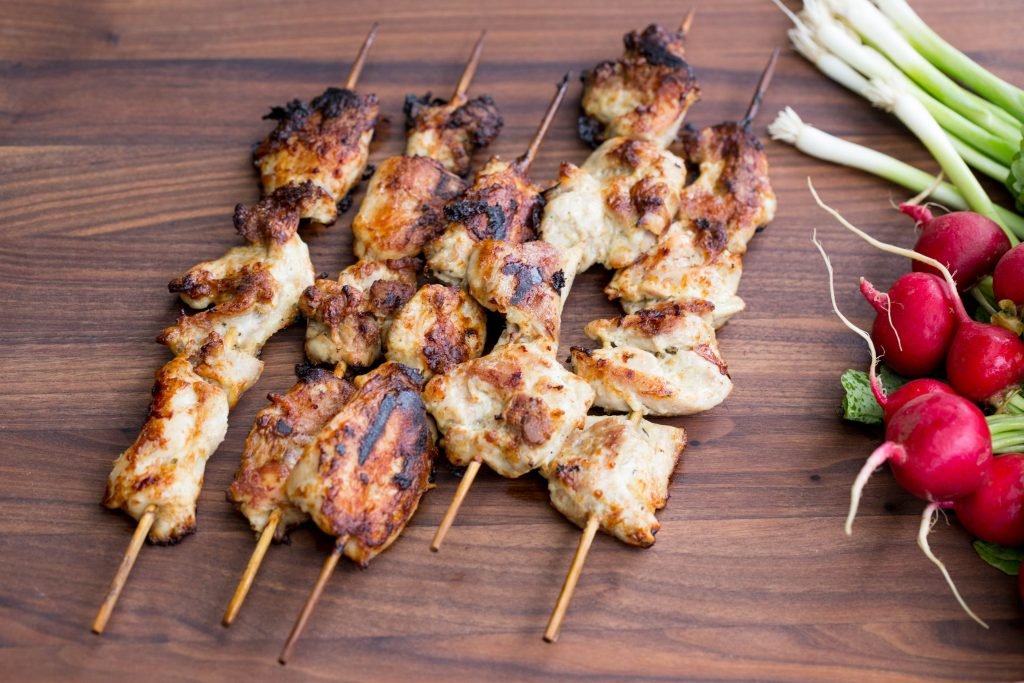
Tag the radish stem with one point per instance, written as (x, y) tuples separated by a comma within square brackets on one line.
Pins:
[(927, 520)]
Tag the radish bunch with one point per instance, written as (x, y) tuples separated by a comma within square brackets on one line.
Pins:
[(937, 441)]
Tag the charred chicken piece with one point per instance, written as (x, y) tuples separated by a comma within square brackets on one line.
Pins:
[(644, 95), (502, 204), (450, 131), (512, 409), (187, 420), (436, 330), (249, 293), (279, 434), (363, 475), (687, 263), (403, 208), (619, 471), (732, 188), (522, 281), (326, 142), (348, 318), (658, 361)]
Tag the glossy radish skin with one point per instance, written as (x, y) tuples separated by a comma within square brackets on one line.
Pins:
[(908, 392), (1008, 277), (984, 361), (914, 324), (967, 243), (995, 512)]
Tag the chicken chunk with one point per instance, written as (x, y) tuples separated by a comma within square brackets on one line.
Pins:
[(659, 361), (521, 281), (643, 96), (403, 208), (249, 293), (502, 204), (363, 475), (511, 409), (348, 318), (436, 330), (732, 188), (326, 142), (450, 131), (574, 220), (187, 420), (279, 434), (688, 263), (618, 471)]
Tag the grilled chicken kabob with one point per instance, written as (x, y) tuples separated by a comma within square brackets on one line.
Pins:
[(307, 164), (367, 309), (661, 358)]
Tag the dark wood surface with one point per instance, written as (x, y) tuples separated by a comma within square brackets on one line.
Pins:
[(125, 130)]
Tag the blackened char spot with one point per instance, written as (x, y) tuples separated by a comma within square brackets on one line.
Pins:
[(654, 46), (497, 223), (590, 130), (527, 277), (558, 281), (333, 101), (388, 404)]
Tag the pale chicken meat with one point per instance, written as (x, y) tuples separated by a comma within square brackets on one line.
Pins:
[(732, 189), (501, 204), (363, 475), (436, 330), (644, 95), (614, 207), (450, 131), (617, 470), (187, 420), (659, 361), (403, 208), (512, 409), (522, 281), (325, 142), (689, 262), (348, 318), (280, 433), (249, 293)]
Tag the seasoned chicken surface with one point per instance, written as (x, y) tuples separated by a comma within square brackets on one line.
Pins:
[(249, 293), (363, 475), (522, 281), (326, 142), (618, 471), (732, 190), (502, 204), (436, 330), (348, 318), (187, 420), (644, 95), (279, 434), (689, 262), (450, 131), (403, 208), (659, 361), (511, 409), (616, 205)]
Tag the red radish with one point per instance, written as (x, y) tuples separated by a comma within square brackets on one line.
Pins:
[(984, 361), (967, 243), (1008, 277), (995, 512), (908, 392), (914, 324)]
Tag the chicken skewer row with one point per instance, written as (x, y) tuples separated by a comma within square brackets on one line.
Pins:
[(659, 360), (434, 329), (248, 295)]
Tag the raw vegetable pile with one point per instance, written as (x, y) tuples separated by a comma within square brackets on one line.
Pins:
[(947, 334)]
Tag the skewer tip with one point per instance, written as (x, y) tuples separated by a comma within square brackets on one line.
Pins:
[(146, 520), (684, 26), (360, 61), (314, 597), (762, 87), (453, 508), (470, 70), (586, 539), (524, 162)]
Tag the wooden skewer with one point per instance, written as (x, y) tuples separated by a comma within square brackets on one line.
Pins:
[(524, 162), (470, 70), (762, 87), (684, 27), (555, 623), (314, 596), (357, 66), (254, 566), (127, 562), (453, 508)]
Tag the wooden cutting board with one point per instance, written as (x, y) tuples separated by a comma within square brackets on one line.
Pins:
[(125, 133)]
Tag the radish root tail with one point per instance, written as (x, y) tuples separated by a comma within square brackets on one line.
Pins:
[(874, 461), (927, 521)]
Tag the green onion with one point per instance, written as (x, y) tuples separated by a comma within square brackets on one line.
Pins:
[(788, 127)]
